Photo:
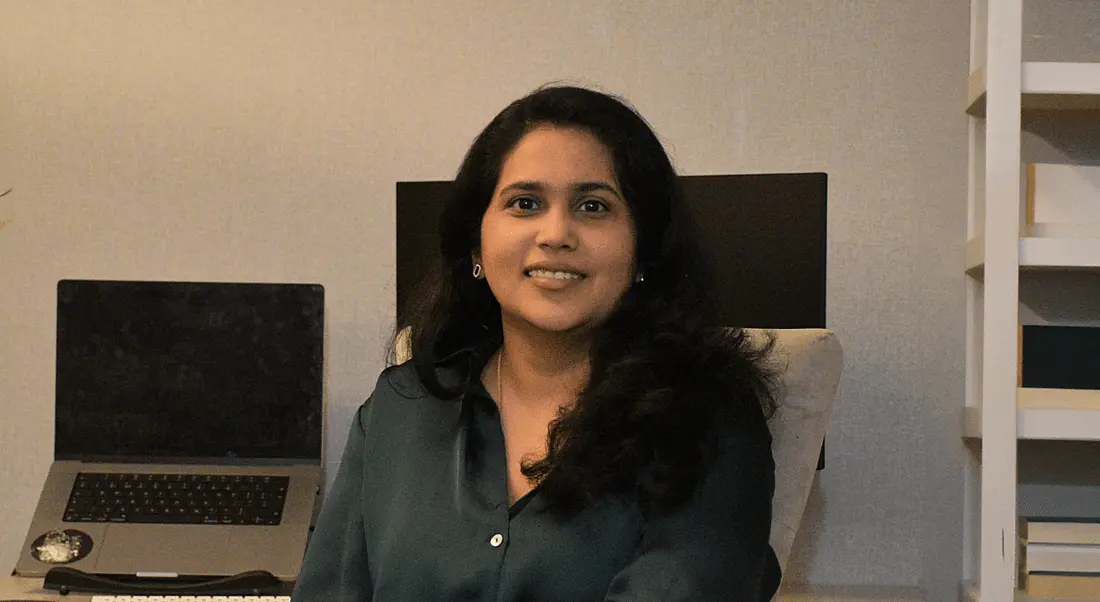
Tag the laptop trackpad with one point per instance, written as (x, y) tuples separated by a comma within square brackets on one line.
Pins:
[(180, 549)]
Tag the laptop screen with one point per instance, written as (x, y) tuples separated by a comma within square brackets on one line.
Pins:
[(185, 371)]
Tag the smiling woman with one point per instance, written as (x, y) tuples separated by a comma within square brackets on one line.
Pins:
[(557, 240), (573, 424)]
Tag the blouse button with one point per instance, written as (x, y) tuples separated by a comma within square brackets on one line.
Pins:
[(496, 540)]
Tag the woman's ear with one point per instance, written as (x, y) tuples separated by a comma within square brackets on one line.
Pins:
[(478, 272)]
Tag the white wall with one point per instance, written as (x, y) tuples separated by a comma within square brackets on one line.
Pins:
[(260, 140)]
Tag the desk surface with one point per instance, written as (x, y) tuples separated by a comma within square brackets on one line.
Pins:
[(20, 588)]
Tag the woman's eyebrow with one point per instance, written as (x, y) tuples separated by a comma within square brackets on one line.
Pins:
[(593, 186), (530, 186), (524, 185)]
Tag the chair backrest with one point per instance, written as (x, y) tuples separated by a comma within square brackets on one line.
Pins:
[(810, 361)]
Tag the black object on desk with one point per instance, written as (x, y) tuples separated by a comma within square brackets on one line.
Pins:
[(251, 583)]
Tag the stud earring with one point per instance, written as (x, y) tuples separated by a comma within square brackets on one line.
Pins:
[(477, 271), (639, 278)]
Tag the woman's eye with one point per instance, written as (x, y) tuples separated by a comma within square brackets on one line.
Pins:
[(525, 203), (593, 205)]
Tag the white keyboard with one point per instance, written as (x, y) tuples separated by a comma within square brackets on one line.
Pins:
[(190, 598)]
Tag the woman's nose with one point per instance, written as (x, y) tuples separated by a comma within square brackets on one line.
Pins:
[(557, 230)]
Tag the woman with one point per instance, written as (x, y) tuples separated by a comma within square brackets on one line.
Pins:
[(571, 425)]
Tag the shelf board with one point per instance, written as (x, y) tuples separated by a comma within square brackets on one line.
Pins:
[(1045, 87), (1042, 253), (1047, 414), (1022, 596), (1060, 253), (1044, 425), (971, 593)]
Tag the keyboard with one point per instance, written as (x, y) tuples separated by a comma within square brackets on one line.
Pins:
[(191, 598), (177, 499)]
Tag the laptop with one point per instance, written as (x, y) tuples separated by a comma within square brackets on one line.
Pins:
[(188, 430)]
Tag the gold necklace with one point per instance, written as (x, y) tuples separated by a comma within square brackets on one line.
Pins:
[(500, 389)]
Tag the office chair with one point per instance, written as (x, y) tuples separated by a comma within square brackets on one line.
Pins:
[(810, 362)]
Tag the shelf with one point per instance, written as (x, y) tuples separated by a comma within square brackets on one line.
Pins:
[(1064, 230), (1047, 414), (1006, 97), (1060, 253), (1022, 596), (972, 594), (1045, 87), (1041, 253)]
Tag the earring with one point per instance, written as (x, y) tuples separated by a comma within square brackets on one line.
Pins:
[(639, 278), (477, 271)]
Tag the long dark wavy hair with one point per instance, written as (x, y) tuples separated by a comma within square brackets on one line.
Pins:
[(666, 382)]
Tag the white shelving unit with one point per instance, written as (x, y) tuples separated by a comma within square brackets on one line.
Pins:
[(1042, 253), (1047, 414), (1048, 425), (1000, 90), (1044, 86), (971, 594)]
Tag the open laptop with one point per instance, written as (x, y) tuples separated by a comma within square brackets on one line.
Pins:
[(188, 430)]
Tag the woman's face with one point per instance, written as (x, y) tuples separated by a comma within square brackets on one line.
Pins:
[(557, 240)]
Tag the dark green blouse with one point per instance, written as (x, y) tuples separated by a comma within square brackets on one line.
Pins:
[(419, 513)]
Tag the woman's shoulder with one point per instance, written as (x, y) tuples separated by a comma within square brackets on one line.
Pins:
[(406, 379), (402, 386), (398, 377)]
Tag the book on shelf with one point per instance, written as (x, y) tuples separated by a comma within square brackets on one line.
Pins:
[(1059, 530), (1062, 558), (1071, 586), (1063, 200), (1058, 357), (1039, 398), (1054, 547)]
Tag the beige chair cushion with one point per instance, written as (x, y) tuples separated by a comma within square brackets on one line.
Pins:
[(811, 361)]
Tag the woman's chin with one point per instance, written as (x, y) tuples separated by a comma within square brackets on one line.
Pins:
[(557, 324)]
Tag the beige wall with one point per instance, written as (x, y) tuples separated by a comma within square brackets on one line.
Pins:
[(260, 140)]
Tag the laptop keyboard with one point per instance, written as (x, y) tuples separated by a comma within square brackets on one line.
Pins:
[(177, 499)]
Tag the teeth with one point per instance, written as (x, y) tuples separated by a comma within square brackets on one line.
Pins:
[(557, 275)]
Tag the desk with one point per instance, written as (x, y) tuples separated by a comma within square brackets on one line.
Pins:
[(31, 589), (18, 588), (21, 588)]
